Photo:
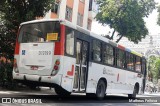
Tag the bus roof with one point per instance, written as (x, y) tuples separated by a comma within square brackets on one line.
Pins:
[(41, 20), (67, 23)]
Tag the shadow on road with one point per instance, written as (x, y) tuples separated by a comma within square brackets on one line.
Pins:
[(78, 99)]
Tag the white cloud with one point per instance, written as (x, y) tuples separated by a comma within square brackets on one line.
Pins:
[(99, 29)]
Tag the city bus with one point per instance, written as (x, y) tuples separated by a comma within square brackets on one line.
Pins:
[(55, 53)]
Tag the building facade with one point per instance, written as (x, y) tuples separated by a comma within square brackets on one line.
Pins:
[(78, 12)]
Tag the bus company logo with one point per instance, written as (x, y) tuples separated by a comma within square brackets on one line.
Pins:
[(23, 52), (6, 100)]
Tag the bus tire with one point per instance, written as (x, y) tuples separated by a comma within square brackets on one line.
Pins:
[(33, 87), (101, 90), (133, 95), (90, 95), (61, 92)]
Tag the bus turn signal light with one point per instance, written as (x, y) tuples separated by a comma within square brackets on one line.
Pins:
[(57, 62), (55, 67)]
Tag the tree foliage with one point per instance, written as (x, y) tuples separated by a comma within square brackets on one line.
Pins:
[(125, 17), (154, 67), (14, 12), (158, 21), (157, 69)]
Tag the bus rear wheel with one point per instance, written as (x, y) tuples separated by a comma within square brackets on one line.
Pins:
[(133, 95), (61, 92), (101, 90), (90, 95), (33, 87)]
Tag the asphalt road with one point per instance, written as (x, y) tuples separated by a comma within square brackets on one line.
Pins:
[(49, 98)]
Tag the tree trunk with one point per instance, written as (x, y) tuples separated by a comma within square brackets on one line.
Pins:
[(112, 34), (119, 38)]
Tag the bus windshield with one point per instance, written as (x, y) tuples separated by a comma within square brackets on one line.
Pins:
[(39, 32)]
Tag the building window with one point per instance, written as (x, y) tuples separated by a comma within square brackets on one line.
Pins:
[(68, 15), (69, 41), (93, 6), (80, 19), (97, 50), (90, 5), (55, 7), (108, 55), (82, 1)]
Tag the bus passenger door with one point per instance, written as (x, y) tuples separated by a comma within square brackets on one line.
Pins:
[(144, 71), (81, 70)]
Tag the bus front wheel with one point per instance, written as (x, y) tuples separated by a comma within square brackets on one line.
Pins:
[(61, 92), (101, 90)]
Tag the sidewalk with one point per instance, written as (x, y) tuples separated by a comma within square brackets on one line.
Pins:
[(154, 93), (12, 93)]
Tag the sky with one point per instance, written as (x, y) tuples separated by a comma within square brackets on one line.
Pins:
[(151, 24)]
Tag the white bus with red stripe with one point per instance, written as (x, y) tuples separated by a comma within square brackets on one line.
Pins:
[(57, 54)]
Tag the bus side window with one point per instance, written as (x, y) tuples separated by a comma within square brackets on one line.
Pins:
[(97, 51), (120, 58), (69, 41), (138, 64), (108, 55), (130, 61), (127, 60)]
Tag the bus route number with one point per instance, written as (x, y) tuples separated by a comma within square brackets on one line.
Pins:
[(44, 53)]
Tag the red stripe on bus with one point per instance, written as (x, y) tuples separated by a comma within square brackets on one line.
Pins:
[(59, 46), (17, 46), (70, 73), (121, 47)]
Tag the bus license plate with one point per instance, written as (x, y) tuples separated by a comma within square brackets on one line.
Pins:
[(34, 67)]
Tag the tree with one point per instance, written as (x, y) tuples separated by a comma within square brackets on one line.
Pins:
[(14, 12), (154, 67), (125, 17), (158, 21), (151, 67), (157, 69)]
